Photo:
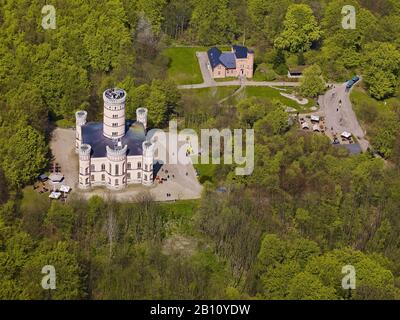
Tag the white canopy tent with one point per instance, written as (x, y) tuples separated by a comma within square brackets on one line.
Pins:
[(65, 188), (55, 195), (346, 134), (315, 118), (305, 125)]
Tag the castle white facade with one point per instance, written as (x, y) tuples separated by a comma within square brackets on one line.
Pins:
[(112, 153)]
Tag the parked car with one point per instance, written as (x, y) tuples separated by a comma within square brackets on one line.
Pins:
[(352, 82)]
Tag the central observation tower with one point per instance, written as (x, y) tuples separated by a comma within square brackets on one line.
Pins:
[(114, 113)]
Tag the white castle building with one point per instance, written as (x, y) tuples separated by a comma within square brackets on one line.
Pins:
[(113, 153)]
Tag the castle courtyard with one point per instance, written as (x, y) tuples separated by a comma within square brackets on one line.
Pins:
[(182, 183)]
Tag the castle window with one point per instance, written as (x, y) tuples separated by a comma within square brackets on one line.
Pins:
[(139, 175), (92, 177), (114, 133), (128, 176), (115, 116), (115, 124), (116, 169), (116, 182), (139, 165), (146, 167), (86, 170), (92, 167), (129, 166), (109, 169), (103, 167), (145, 178), (87, 180), (103, 177)]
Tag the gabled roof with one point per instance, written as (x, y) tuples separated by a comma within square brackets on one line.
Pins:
[(213, 55), (240, 51), (228, 60)]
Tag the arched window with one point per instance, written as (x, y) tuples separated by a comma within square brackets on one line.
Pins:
[(116, 182), (139, 165), (139, 175), (116, 169), (103, 167), (103, 177)]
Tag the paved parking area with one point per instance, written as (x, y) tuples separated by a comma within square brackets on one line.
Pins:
[(339, 114)]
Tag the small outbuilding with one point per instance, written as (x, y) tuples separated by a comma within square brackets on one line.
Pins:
[(296, 72)]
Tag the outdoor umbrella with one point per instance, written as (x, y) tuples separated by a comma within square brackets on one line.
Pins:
[(56, 177)]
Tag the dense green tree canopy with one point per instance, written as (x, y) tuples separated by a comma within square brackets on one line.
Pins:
[(24, 157), (312, 83), (213, 22), (300, 29), (284, 232)]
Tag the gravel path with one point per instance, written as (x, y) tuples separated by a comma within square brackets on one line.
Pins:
[(62, 146)]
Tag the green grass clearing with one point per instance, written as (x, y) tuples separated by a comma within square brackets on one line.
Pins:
[(180, 216), (206, 172), (184, 67), (269, 94)]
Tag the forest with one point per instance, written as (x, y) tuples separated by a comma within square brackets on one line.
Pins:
[(284, 232)]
